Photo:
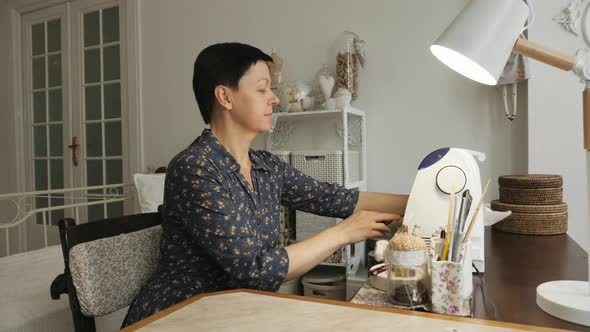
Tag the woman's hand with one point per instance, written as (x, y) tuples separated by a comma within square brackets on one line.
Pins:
[(362, 225)]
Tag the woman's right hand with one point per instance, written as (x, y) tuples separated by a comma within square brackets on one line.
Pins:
[(362, 225)]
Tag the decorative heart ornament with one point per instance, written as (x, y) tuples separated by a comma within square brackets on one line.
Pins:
[(326, 85)]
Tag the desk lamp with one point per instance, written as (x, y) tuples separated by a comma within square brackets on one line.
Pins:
[(477, 45)]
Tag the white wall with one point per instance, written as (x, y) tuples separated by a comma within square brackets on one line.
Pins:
[(414, 104), (555, 121)]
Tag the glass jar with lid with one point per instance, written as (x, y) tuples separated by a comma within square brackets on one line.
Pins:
[(409, 284), (347, 63)]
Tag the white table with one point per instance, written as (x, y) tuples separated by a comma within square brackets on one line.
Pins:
[(248, 310)]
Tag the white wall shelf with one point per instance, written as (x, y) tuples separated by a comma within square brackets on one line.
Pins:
[(312, 130), (316, 115)]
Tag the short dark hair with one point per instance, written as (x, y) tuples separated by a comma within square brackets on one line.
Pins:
[(221, 64)]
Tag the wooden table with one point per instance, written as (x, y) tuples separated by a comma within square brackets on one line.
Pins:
[(515, 265), (248, 310)]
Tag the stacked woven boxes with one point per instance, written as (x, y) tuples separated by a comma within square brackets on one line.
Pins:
[(287, 228), (536, 202), (325, 166)]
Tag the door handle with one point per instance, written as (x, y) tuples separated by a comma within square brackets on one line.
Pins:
[(75, 150)]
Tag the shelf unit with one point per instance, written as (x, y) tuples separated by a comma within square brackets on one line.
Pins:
[(310, 130)]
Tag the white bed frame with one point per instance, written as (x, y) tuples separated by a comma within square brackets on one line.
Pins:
[(32, 270), (74, 199)]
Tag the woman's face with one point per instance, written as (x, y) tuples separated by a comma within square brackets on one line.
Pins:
[(253, 100)]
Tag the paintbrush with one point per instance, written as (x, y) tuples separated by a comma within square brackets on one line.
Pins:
[(472, 222)]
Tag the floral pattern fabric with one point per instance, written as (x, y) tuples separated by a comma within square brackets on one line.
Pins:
[(220, 232), (107, 273), (447, 285)]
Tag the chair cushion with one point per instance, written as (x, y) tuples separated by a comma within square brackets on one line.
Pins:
[(150, 190), (108, 273)]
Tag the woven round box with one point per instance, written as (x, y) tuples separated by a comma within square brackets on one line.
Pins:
[(534, 224), (531, 181), (530, 209), (540, 196)]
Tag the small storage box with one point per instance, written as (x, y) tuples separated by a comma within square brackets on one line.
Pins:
[(325, 284), (327, 166)]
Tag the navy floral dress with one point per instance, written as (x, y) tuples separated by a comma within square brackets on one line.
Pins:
[(219, 233)]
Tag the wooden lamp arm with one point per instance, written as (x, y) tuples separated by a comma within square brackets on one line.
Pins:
[(562, 61), (543, 54)]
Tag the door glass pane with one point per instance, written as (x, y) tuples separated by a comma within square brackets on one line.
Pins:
[(91, 29), (57, 173), (112, 144), (40, 174), (39, 73), (94, 173), (115, 210), (93, 140), (55, 105), (96, 212), (41, 202), (111, 63), (53, 36), (92, 102), (38, 38), (56, 215), (40, 141), (112, 101), (114, 171), (54, 70), (56, 140), (110, 25), (39, 107), (92, 65)]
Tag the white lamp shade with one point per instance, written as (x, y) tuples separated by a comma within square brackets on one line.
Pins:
[(479, 41)]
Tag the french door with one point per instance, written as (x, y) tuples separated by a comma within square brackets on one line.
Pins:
[(74, 95)]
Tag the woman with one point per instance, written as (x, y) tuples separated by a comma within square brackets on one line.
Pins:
[(222, 199)]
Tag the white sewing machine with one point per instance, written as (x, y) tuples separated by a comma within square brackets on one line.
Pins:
[(428, 204)]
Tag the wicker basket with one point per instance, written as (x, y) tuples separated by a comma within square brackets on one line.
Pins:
[(531, 181), (327, 166), (308, 225), (534, 224), (530, 209), (539, 196), (536, 202)]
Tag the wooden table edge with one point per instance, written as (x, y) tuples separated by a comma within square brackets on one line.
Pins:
[(182, 304)]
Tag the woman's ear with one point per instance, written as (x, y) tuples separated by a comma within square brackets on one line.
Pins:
[(223, 96)]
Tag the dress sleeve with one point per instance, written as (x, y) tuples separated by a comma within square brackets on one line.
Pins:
[(307, 194), (208, 213)]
